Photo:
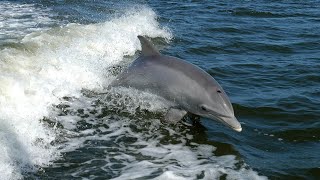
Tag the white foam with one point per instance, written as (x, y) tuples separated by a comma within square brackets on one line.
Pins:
[(146, 153), (147, 157), (58, 62)]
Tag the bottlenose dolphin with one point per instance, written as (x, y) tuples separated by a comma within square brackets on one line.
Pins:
[(190, 88)]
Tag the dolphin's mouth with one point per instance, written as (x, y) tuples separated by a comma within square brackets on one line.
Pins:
[(231, 122)]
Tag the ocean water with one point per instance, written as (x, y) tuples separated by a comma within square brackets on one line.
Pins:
[(59, 121)]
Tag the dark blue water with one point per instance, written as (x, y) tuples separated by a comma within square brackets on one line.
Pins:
[(265, 54)]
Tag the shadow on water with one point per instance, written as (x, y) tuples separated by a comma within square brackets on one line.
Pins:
[(200, 136)]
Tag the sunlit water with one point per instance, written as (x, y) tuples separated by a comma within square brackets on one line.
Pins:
[(59, 121)]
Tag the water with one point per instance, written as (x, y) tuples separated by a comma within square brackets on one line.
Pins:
[(59, 121)]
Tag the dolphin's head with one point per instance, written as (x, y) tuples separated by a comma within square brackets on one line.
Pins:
[(217, 106)]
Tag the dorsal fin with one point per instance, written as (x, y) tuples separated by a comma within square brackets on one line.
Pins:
[(147, 48)]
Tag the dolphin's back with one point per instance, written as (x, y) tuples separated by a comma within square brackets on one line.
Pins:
[(155, 69), (165, 76)]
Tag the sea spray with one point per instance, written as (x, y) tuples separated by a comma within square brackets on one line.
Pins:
[(54, 63)]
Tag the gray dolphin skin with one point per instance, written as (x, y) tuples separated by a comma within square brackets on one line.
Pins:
[(190, 88)]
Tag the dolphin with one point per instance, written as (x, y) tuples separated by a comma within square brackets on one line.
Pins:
[(189, 88)]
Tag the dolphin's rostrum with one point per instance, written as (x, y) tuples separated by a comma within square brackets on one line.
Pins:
[(190, 88)]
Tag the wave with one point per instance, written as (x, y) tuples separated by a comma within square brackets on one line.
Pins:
[(52, 64), (257, 13)]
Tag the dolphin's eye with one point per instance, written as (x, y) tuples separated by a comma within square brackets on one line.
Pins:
[(203, 108), (218, 91)]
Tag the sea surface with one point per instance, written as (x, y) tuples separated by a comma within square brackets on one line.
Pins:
[(58, 120)]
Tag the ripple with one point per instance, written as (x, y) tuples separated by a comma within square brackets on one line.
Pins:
[(253, 13), (300, 135), (228, 30)]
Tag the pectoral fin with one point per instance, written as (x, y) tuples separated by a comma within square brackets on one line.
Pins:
[(174, 115)]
